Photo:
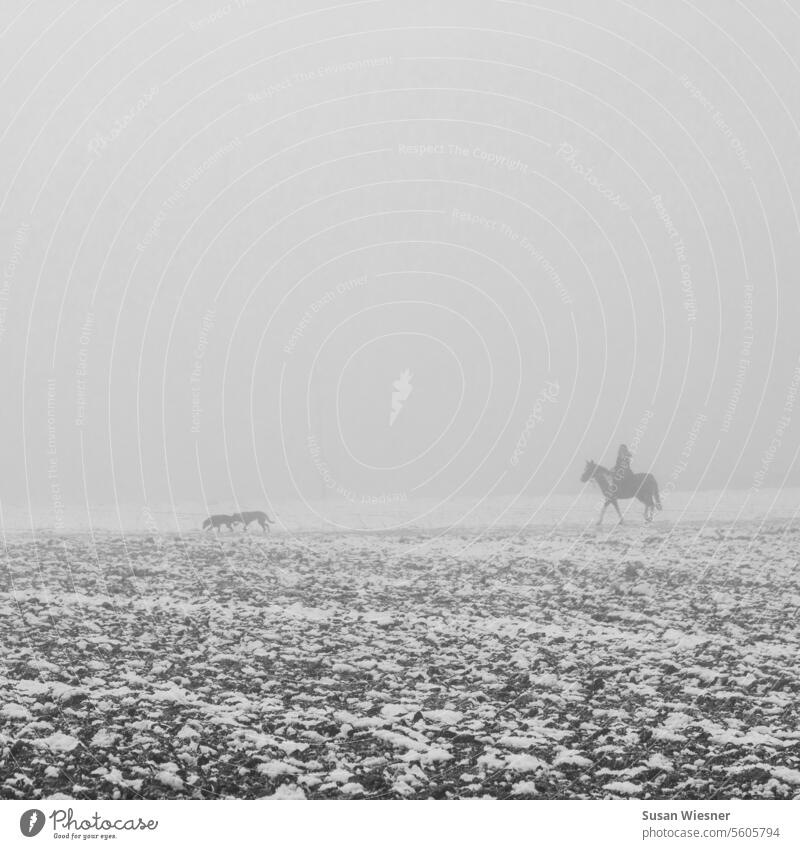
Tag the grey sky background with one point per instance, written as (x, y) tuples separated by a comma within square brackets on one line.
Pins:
[(227, 230)]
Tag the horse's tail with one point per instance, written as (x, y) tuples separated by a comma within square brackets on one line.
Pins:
[(656, 496)]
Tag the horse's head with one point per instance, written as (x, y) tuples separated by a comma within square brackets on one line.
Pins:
[(588, 471)]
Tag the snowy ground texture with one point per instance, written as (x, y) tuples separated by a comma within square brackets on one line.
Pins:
[(655, 662)]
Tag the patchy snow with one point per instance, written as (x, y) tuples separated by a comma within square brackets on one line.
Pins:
[(403, 666), (275, 768), (169, 779), (188, 733), (523, 788), (569, 758), (402, 741), (525, 763), (658, 761), (444, 717), (623, 788), (436, 755), (57, 742), (104, 738), (393, 711), (352, 788), (12, 710), (287, 791), (784, 773)]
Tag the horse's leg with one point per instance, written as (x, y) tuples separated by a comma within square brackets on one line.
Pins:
[(603, 513), (651, 504), (616, 507), (263, 525)]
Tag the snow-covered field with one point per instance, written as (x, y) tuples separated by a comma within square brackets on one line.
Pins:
[(657, 662)]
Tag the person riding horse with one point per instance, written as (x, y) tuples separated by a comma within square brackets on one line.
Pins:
[(622, 468), (621, 483)]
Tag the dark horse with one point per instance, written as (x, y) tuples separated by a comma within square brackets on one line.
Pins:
[(642, 486)]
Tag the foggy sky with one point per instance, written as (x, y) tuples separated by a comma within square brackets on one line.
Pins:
[(226, 231)]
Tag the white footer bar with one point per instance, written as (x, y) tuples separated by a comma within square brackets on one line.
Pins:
[(354, 824)]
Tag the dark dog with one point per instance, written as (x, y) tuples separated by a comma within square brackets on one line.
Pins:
[(254, 516), (217, 521)]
